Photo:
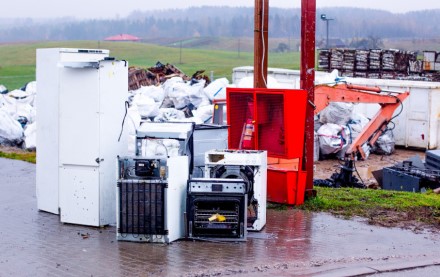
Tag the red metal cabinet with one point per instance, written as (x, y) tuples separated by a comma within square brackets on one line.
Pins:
[(278, 117)]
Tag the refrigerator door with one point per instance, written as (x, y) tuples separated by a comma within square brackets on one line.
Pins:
[(79, 186), (79, 195), (92, 108), (79, 117)]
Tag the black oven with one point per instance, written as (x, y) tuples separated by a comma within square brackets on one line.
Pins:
[(216, 209)]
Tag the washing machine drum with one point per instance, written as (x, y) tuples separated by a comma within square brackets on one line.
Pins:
[(236, 172)]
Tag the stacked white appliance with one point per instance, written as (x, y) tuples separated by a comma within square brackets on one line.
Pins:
[(152, 186), (80, 109)]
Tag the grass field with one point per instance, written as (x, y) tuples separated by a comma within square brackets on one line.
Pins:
[(19, 155), (17, 61), (382, 207)]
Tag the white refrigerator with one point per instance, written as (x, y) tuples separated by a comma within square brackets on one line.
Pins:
[(48, 72), (92, 111)]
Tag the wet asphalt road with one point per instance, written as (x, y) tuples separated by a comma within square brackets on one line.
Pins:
[(294, 243)]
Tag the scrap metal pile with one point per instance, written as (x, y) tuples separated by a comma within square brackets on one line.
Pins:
[(412, 175), (381, 64), (159, 74)]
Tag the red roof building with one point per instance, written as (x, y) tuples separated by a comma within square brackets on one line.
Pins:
[(122, 37)]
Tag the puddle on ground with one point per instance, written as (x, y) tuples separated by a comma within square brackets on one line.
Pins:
[(36, 243)]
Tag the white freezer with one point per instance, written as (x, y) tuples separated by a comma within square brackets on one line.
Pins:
[(48, 86)]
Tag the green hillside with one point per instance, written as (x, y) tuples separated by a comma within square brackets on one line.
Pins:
[(17, 61)]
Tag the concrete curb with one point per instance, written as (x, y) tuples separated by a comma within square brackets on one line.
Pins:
[(374, 269)]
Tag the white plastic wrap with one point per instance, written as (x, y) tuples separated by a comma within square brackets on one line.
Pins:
[(30, 136), (147, 107), (204, 113), (18, 104), (11, 132), (248, 82), (356, 124), (169, 114), (328, 79), (20, 96), (196, 120), (160, 147), (385, 144), (217, 89), (197, 95), (170, 83), (337, 113), (3, 89), (179, 95), (183, 94), (175, 91), (157, 93), (25, 110), (367, 149), (332, 138), (31, 90)]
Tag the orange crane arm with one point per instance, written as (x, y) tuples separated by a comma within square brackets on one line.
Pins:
[(359, 94)]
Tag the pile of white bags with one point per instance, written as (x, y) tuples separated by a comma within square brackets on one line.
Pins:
[(11, 132), (17, 116), (332, 138), (337, 113), (178, 100)]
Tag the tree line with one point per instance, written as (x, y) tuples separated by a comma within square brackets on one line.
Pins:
[(227, 22)]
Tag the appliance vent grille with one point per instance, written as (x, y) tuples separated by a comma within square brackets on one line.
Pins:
[(141, 205)]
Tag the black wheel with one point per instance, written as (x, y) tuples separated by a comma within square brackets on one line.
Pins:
[(323, 183)]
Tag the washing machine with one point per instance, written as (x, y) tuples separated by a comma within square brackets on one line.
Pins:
[(250, 166)]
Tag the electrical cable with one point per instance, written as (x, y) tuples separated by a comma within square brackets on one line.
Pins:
[(160, 142), (401, 107), (391, 120), (264, 45), (360, 178), (123, 120)]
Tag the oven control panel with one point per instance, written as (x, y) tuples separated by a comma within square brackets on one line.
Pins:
[(212, 185)]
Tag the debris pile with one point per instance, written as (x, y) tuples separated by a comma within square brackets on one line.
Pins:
[(337, 126), (336, 58), (324, 59), (381, 64), (159, 74), (163, 93), (170, 95)]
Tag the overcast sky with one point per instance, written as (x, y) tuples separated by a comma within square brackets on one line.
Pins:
[(112, 8)]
